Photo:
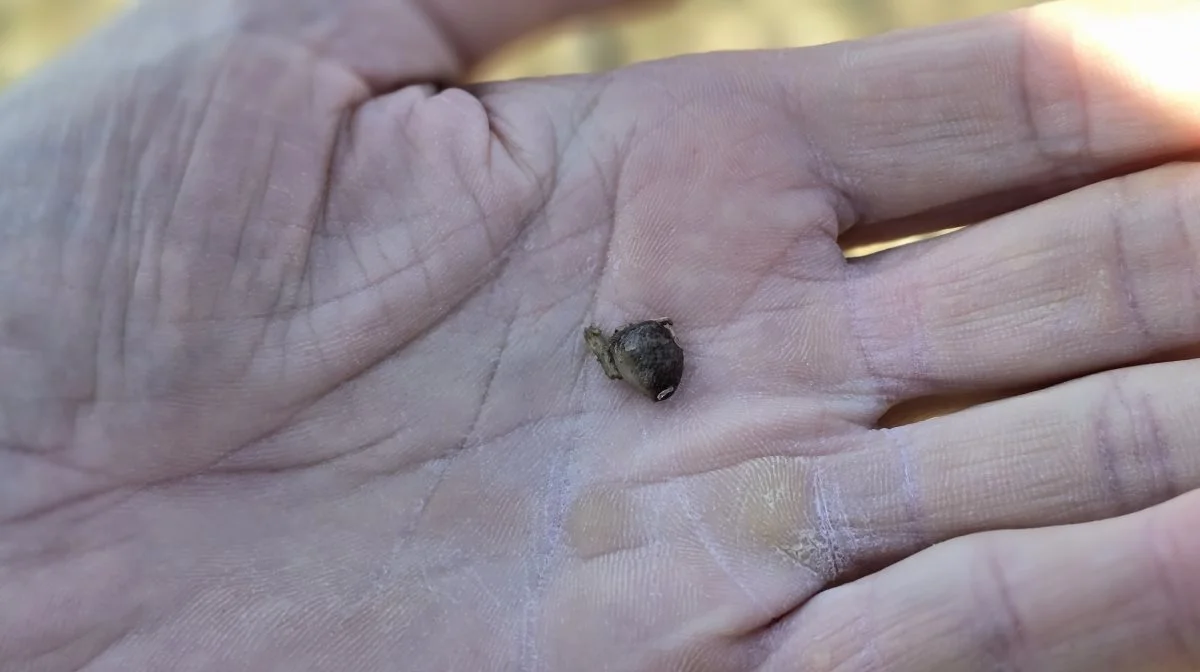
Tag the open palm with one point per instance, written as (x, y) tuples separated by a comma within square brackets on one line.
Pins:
[(292, 369)]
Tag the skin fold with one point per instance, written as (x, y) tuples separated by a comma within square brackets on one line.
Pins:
[(292, 374)]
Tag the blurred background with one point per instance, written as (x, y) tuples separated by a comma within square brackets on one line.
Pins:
[(34, 30)]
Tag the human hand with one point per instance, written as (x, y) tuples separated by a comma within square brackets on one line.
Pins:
[(292, 374)]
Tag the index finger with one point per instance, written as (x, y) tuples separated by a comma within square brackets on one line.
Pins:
[(992, 111)]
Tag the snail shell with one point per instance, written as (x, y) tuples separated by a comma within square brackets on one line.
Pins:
[(643, 354)]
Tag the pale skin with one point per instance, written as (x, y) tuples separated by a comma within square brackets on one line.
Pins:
[(291, 375)]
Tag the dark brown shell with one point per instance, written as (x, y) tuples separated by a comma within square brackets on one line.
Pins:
[(647, 357)]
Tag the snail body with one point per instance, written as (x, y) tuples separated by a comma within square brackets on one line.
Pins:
[(643, 354)]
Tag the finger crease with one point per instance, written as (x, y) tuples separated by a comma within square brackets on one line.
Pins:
[(1011, 639)]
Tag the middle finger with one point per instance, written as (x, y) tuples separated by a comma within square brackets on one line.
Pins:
[(1094, 279)]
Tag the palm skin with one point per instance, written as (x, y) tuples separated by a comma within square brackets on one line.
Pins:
[(294, 375)]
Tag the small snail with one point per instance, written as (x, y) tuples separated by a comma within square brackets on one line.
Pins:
[(643, 354)]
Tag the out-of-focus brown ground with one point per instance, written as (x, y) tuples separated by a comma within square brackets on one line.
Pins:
[(33, 30)]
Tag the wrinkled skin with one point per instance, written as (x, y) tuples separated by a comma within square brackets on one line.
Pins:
[(292, 376)]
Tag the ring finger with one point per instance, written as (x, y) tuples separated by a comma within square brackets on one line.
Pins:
[(1108, 444)]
